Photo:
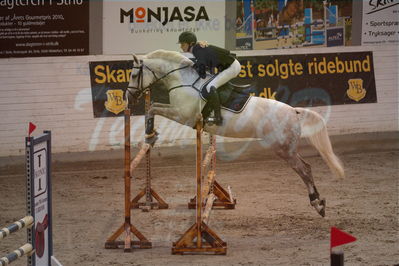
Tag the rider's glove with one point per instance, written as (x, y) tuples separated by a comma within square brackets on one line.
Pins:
[(201, 70)]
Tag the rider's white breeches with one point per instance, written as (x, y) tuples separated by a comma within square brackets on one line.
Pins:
[(225, 76)]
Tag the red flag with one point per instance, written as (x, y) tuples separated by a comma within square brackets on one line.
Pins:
[(31, 128), (339, 237)]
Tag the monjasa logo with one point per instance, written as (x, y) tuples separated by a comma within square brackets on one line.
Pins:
[(163, 14)]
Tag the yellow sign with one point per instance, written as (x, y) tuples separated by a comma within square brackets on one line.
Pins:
[(356, 91), (115, 102)]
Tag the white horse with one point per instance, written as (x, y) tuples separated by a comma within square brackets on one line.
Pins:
[(278, 124)]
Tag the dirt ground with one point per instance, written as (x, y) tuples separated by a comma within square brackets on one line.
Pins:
[(273, 223)]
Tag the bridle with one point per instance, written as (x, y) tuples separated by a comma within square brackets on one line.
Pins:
[(140, 89)]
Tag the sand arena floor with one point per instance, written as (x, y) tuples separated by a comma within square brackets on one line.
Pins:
[(273, 223)]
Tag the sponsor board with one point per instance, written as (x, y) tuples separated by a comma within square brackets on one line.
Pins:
[(380, 22), (44, 28), (143, 26), (299, 80), (311, 79)]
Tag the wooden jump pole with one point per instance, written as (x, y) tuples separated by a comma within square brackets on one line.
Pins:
[(223, 199), (27, 222), (127, 226), (199, 238), (148, 191), (26, 249)]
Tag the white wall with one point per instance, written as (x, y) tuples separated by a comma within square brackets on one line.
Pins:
[(54, 93)]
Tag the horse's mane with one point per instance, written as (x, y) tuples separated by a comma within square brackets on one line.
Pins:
[(170, 56)]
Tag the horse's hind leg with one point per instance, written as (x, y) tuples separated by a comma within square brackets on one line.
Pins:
[(305, 172)]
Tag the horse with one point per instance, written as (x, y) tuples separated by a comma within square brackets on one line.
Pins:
[(277, 124)]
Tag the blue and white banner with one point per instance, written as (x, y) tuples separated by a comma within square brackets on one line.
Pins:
[(380, 22), (143, 26)]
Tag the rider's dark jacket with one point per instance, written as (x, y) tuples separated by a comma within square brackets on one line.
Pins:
[(211, 57)]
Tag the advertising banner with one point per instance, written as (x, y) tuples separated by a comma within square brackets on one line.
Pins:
[(271, 24), (311, 79), (44, 28), (109, 81), (299, 80), (380, 22), (144, 26)]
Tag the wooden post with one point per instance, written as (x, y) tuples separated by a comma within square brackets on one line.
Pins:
[(127, 226), (199, 238), (199, 177), (148, 191)]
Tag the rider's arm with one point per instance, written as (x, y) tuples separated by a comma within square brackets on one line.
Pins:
[(201, 62)]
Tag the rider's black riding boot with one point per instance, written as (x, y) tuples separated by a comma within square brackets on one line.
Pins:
[(215, 101)]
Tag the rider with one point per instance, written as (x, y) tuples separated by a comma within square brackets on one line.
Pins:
[(209, 57)]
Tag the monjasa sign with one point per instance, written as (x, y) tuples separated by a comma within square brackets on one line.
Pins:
[(164, 14)]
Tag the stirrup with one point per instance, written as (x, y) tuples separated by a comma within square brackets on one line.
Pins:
[(213, 121)]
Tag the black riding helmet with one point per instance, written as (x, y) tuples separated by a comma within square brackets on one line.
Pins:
[(187, 37)]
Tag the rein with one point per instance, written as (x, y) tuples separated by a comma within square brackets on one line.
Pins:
[(141, 89), (181, 86)]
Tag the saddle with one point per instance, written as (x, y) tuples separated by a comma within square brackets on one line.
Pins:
[(232, 97)]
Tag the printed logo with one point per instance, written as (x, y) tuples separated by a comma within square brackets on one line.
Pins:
[(335, 37), (378, 5), (115, 102), (164, 15), (356, 91)]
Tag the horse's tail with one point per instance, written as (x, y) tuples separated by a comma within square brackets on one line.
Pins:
[(314, 128)]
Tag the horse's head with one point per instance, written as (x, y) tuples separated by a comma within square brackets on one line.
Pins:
[(159, 65), (140, 80)]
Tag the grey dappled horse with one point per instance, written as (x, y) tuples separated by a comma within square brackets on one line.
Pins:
[(277, 124)]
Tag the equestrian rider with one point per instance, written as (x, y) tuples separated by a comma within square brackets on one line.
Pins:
[(210, 57)]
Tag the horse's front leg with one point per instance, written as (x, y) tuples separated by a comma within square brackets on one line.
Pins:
[(166, 110)]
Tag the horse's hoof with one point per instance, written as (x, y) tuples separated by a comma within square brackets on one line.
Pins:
[(322, 211), (320, 206), (151, 139)]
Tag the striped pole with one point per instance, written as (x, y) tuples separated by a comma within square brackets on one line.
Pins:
[(27, 221), (24, 250)]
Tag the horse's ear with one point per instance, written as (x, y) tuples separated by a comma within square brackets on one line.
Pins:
[(135, 59), (187, 61)]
